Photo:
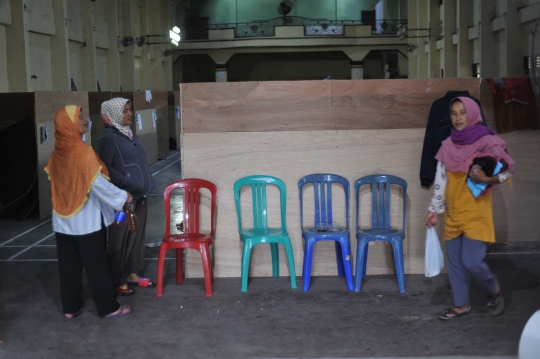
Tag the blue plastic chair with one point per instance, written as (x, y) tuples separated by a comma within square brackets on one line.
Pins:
[(261, 233), (322, 186), (380, 230)]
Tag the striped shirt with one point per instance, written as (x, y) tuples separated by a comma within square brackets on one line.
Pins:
[(104, 200)]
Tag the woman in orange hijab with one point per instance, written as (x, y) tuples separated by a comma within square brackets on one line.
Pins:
[(84, 203)]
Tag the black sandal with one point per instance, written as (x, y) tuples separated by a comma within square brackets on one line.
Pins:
[(450, 313), (496, 304)]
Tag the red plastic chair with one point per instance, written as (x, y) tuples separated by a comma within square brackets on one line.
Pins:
[(191, 238)]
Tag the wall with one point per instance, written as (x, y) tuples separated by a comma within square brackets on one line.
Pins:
[(57, 40), (40, 62)]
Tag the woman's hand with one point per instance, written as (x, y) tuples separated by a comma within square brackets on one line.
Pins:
[(479, 176), (431, 219), (129, 198)]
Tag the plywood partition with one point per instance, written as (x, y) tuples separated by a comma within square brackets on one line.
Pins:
[(174, 116), (46, 105), (95, 99), (313, 105), (147, 131), (162, 123), (350, 128)]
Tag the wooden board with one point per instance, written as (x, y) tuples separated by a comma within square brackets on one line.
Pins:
[(147, 135), (225, 157), (139, 101), (313, 105), (162, 131), (255, 106), (95, 99), (46, 105)]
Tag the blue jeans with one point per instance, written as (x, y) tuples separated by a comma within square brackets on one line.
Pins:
[(466, 258)]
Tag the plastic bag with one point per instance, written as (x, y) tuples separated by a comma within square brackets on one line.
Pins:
[(434, 254)]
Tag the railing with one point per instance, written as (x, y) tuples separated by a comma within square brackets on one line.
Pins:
[(312, 27)]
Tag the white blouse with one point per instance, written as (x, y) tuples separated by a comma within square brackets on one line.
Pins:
[(104, 200)]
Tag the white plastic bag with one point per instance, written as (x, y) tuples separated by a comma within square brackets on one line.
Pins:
[(434, 254)]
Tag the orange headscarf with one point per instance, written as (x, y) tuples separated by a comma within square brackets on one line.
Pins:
[(73, 165)]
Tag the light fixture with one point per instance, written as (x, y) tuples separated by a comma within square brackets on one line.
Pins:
[(174, 36), (176, 29), (174, 42)]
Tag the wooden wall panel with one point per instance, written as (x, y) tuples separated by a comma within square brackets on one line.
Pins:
[(255, 106), (486, 101), (162, 130), (147, 135), (313, 105), (225, 157), (139, 101), (391, 104), (95, 99), (46, 105)]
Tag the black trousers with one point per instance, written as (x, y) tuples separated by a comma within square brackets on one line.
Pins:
[(89, 252)]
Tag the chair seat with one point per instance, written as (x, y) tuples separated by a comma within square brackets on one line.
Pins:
[(309, 232), (264, 232), (380, 232), (188, 237)]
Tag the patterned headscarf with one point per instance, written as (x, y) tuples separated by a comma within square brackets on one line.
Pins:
[(73, 165), (112, 112)]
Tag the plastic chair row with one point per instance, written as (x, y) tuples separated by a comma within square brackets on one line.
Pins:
[(322, 230)]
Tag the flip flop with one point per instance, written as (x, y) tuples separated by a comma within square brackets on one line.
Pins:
[(496, 304), (125, 290), (453, 313), (120, 313), (72, 315), (143, 282)]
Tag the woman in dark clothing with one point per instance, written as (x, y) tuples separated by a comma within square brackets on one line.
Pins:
[(124, 156)]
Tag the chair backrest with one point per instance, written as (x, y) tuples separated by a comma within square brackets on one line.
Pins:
[(192, 200), (258, 185), (322, 187), (380, 202)]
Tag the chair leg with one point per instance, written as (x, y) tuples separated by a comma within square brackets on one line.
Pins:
[(361, 259), (339, 258), (179, 265), (397, 244), (306, 268), (347, 263), (290, 257), (366, 249), (275, 259), (161, 263), (246, 254), (207, 268)]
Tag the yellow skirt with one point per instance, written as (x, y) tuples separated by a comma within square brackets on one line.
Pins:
[(465, 214)]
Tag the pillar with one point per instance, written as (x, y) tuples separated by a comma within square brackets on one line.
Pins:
[(357, 70), (221, 73)]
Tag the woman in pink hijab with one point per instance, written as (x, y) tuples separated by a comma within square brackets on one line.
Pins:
[(468, 217)]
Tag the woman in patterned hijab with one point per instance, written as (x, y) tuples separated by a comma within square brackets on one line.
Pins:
[(125, 158)]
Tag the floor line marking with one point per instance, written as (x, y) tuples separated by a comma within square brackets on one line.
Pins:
[(158, 162), (23, 233), (30, 247), (164, 168)]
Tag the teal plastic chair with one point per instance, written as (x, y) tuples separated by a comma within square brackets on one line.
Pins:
[(261, 233)]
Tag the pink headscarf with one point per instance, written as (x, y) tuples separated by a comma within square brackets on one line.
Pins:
[(458, 151)]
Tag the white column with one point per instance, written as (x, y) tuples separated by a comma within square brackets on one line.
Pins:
[(221, 74)]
